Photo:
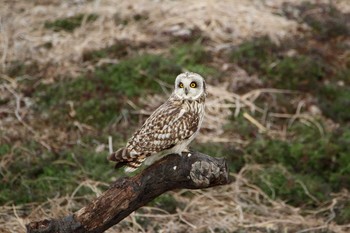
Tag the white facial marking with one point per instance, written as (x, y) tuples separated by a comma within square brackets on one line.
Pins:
[(190, 86), (189, 155)]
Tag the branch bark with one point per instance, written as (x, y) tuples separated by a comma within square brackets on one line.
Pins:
[(192, 170)]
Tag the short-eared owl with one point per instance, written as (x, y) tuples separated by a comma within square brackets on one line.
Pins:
[(170, 128)]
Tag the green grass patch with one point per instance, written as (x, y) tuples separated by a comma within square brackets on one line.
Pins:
[(299, 72), (4, 149), (48, 175), (99, 98), (334, 101), (306, 69), (328, 22), (262, 56), (137, 17), (307, 162), (234, 157), (279, 183), (70, 23), (193, 57), (119, 49), (20, 68), (241, 126), (166, 202), (255, 55), (343, 214), (192, 53), (321, 163)]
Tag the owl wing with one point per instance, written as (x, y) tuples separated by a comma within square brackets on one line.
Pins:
[(167, 126)]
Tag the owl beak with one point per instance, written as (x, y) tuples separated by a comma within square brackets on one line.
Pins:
[(186, 91)]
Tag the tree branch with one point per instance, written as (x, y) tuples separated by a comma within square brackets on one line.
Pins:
[(192, 170)]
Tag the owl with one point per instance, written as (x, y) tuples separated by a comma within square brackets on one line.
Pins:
[(170, 128)]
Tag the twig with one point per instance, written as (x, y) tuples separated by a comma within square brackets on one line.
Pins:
[(307, 192), (254, 122), (110, 144)]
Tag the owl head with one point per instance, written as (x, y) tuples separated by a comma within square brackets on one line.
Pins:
[(190, 86)]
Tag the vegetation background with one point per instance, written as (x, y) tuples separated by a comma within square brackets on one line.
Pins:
[(73, 73)]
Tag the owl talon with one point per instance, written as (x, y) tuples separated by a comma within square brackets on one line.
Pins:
[(186, 150)]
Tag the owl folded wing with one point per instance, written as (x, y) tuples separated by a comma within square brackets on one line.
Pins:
[(164, 129)]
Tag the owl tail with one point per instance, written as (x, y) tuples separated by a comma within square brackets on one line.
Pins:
[(123, 158)]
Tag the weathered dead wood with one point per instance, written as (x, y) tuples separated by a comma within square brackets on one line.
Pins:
[(191, 170)]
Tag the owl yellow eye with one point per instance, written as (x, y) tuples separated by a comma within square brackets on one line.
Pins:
[(181, 85), (193, 85)]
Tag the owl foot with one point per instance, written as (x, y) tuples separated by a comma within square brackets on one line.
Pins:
[(186, 150)]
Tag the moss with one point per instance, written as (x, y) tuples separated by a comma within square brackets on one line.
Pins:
[(70, 23)]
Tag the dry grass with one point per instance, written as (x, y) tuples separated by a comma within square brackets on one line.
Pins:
[(221, 102), (238, 206), (226, 22), (23, 36)]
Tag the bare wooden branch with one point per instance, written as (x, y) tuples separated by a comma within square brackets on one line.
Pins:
[(191, 170)]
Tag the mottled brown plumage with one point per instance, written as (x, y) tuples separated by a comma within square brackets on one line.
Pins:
[(170, 128)]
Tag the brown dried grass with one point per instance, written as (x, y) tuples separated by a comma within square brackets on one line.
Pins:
[(239, 206), (23, 36)]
